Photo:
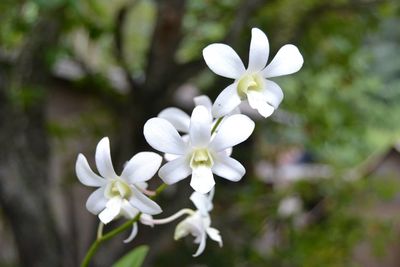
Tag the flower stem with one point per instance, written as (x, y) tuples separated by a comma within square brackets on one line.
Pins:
[(173, 217), (217, 123), (102, 238), (100, 230)]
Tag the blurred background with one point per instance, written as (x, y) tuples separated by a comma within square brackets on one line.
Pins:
[(322, 187)]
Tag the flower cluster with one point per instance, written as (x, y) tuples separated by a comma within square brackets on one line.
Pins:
[(199, 145)]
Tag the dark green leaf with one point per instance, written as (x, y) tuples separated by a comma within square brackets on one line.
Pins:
[(134, 258)]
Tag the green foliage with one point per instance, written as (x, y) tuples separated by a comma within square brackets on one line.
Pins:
[(134, 258)]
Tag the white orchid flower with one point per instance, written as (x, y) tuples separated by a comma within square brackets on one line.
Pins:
[(203, 155), (198, 224), (181, 120), (118, 195), (251, 83)]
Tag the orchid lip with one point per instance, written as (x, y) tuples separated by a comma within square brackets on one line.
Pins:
[(249, 81)]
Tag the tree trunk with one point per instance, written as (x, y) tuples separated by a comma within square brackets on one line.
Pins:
[(24, 157)]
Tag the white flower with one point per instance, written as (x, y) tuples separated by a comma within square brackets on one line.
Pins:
[(251, 83), (118, 195), (181, 120), (198, 224), (203, 155)]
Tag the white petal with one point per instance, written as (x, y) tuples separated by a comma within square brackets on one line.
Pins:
[(259, 50), (170, 157), (143, 203), (147, 219), (202, 202), (141, 167), (228, 151), (203, 100), (210, 198), (202, 179), (288, 60), (113, 207), (228, 168), (96, 201), (223, 60), (232, 131), (175, 170), (128, 210), (214, 235), (133, 233), (161, 135), (273, 93), (202, 245), (103, 159), (85, 174), (226, 101), (200, 127), (258, 101), (177, 117), (142, 185)]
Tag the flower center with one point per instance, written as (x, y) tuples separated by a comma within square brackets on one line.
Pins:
[(118, 188), (249, 82), (201, 157)]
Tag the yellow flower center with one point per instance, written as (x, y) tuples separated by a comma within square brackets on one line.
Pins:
[(118, 188), (249, 82), (201, 157)]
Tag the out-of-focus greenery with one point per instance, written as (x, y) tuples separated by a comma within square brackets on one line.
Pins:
[(343, 106)]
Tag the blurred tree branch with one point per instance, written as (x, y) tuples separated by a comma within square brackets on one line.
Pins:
[(24, 161)]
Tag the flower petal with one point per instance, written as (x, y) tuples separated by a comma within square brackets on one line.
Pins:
[(201, 202), (146, 219), (162, 136), (214, 235), (228, 168), (113, 207), (200, 127), (223, 60), (288, 60), (203, 100), (96, 201), (273, 93), (232, 131), (202, 179), (226, 101), (259, 50), (133, 233), (202, 245), (228, 151), (103, 159), (127, 210), (175, 170), (170, 157), (258, 101), (141, 167), (85, 174), (177, 117), (143, 203)]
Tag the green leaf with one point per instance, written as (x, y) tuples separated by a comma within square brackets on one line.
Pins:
[(134, 258)]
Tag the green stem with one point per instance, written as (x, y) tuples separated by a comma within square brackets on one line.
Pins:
[(100, 230), (102, 238), (217, 123)]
